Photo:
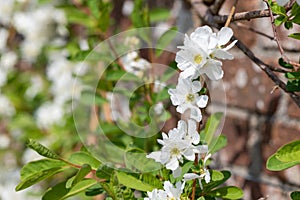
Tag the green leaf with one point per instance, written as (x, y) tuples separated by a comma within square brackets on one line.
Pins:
[(104, 172), (159, 14), (214, 184), (295, 195), (165, 40), (39, 165), (295, 9), (94, 190), (296, 18), (37, 177), (75, 15), (211, 126), (288, 24), (295, 36), (121, 75), (221, 142), (293, 75), (109, 190), (136, 159), (279, 20), (42, 150), (293, 85), (229, 192), (216, 175), (279, 10), (140, 14), (81, 158), (162, 95), (274, 164), (56, 192), (89, 98), (80, 187), (285, 64), (83, 171), (152, 180), (132, 182), (289, 152)]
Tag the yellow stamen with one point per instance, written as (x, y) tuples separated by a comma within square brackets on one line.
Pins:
[(190, 97), (198, 59)]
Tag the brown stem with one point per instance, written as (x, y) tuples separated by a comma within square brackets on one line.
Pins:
[(215, 8), (194, 181)]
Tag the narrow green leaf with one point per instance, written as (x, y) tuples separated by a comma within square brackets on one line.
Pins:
[(295, 195), (293, 75), (296, 18), (285, 64), (39, 165), (295, 36), (132, 182), (229, 192), (56, 192), (221, 142), (42, 150), (109, 190), (152, 180), (94, 190), (165, 40), (104, 172), (37, 177), (81, 158), (279, 20), (274, 164), (121, 75), (159, 14), (80, 187), (279, 10), (83, 171), (289, 152), (211, 126)]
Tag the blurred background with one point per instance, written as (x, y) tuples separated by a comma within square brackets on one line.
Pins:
[(39, 45)]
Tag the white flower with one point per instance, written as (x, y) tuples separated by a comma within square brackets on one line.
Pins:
[(3, 39), (6, 107), (175, 147), (200, 51), (190, 129), (156, 195), (6, 10), (35, 87), (49, 114), (134, 64), (158, 108), (204, 173), (8, 60), (186, 96), (173, 193), (283, 2)]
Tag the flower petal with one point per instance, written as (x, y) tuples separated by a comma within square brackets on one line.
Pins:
[(202, 101), (224, 35)]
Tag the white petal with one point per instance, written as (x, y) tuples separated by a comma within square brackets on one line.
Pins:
[(224, 35), (221, 54), (298, 2), (155, 155), (201, 149), (196, 114), (207, 176), (202, 101), (213, 70), (196, 86), (190, 176), (230, 45), (189, 72), (173, 164), (206, 158), (189, 154), (177, 172)]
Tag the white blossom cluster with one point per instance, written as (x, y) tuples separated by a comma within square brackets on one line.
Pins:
[(283, 2), (201, 54)]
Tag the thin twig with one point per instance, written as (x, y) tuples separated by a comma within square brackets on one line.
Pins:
[(232, 11)]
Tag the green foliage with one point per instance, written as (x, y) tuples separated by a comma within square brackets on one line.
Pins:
[(285, 64), (140, 15), (287, 156), (159, 14), (295, 195), (165, 40), (295, 36), (42, 150), (82, 172), (81, 158), (132, 182), (229, 192), (211, 126)]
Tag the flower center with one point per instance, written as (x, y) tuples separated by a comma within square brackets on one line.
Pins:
[(190, 97), (175, 151), (202, 171), (198, 59)]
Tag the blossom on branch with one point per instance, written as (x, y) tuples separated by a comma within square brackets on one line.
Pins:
[(201, 53), (169, 192), (186, 97)]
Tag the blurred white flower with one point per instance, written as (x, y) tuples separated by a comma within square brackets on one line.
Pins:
[(5, 141), (6, 107), (127, 7), (119, 105), (156, 195), (3, 39), (6, 10), (134, 64), (159, 108), (159, 86), (8, 60), (186, 97), (38, 26), (36, 86), (48, 114)]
